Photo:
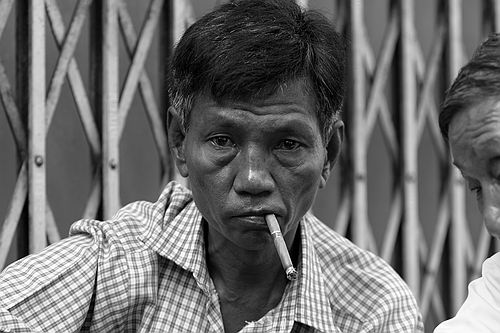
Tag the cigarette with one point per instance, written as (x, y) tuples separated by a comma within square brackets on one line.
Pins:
[(280, 245)]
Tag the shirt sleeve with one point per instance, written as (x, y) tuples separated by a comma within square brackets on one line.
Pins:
[(76, 285), (481, 310), (50, 291), (397, 314)]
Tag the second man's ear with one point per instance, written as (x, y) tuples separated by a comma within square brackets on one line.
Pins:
[(176, 138)]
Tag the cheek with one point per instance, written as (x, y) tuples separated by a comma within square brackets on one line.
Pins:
[(199, 162), (208, 181), (307, 176), (300, 186), (489, 205)]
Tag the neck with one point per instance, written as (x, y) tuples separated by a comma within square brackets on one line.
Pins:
[(237, 272), (249, 283)]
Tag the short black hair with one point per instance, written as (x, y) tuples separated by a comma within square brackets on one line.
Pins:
[(477, 81), (247, 49)]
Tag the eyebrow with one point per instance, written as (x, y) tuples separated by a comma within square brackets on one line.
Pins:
[(282, 124)]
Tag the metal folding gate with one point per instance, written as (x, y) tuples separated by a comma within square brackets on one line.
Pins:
[(397, 88)]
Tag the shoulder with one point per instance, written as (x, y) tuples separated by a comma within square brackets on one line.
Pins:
[(337, 252), (361, 283), (479, 312), (125, 228)]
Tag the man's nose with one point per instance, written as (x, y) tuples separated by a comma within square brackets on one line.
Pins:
[(491, 207), (253, 174)]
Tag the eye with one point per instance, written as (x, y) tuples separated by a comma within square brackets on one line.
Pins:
[(221, 141), (288, 144), (475, 188)]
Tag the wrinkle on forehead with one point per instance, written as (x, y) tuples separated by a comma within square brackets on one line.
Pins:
[(477, 126)]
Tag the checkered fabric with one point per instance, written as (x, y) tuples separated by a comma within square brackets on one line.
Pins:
[(145, 271)]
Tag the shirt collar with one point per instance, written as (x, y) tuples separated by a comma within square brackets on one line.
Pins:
[(176, 232), (313, 306)]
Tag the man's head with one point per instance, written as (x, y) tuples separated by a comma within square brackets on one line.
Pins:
[(247, 50), (256, 90), (470, 123)]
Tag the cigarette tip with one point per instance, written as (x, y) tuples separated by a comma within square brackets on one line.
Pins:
[(291, 273)]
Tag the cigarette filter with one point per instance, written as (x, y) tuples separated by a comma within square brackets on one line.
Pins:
[(280, 245)]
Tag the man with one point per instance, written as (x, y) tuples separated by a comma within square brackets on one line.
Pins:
[(470, 122), (256, 91)]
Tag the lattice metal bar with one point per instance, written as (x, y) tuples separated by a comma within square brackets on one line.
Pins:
[(409, 146), (369, 66), (484, 243), (37, 128), (13, 213), (495, 4), (491, 16), (83, 106), (302, 3), (139, 57), (5, 8), (343, 213), (434, 258), (52, 232), (432, 122), (183, 18), (95, 196), (110, 116), (146, 89), (12, 113), (438, 306), (75, 80), (455, 60), (376, 104), (393, 226), (66, 55), (458, 236), (389, 133), (380, 76), (356, 130), (425, 107), (341, 15)]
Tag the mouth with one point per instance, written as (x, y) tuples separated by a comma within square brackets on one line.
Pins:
[(257, 220), (255, 217)]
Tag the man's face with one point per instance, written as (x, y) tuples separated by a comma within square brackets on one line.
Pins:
[(245, 160), (474, 137)]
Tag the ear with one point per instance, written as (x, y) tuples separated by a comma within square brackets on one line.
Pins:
[(333, 149), (176, 140)]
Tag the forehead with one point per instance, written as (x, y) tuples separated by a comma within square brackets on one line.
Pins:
[(474, 132), (291, 100)]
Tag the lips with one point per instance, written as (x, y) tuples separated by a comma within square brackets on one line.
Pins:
[(247, 210), (252, 219), (254, 215)]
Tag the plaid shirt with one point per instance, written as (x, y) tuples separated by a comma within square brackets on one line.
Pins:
[(145, 271)]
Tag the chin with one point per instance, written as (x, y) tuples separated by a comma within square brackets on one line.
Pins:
[(253, 242)]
